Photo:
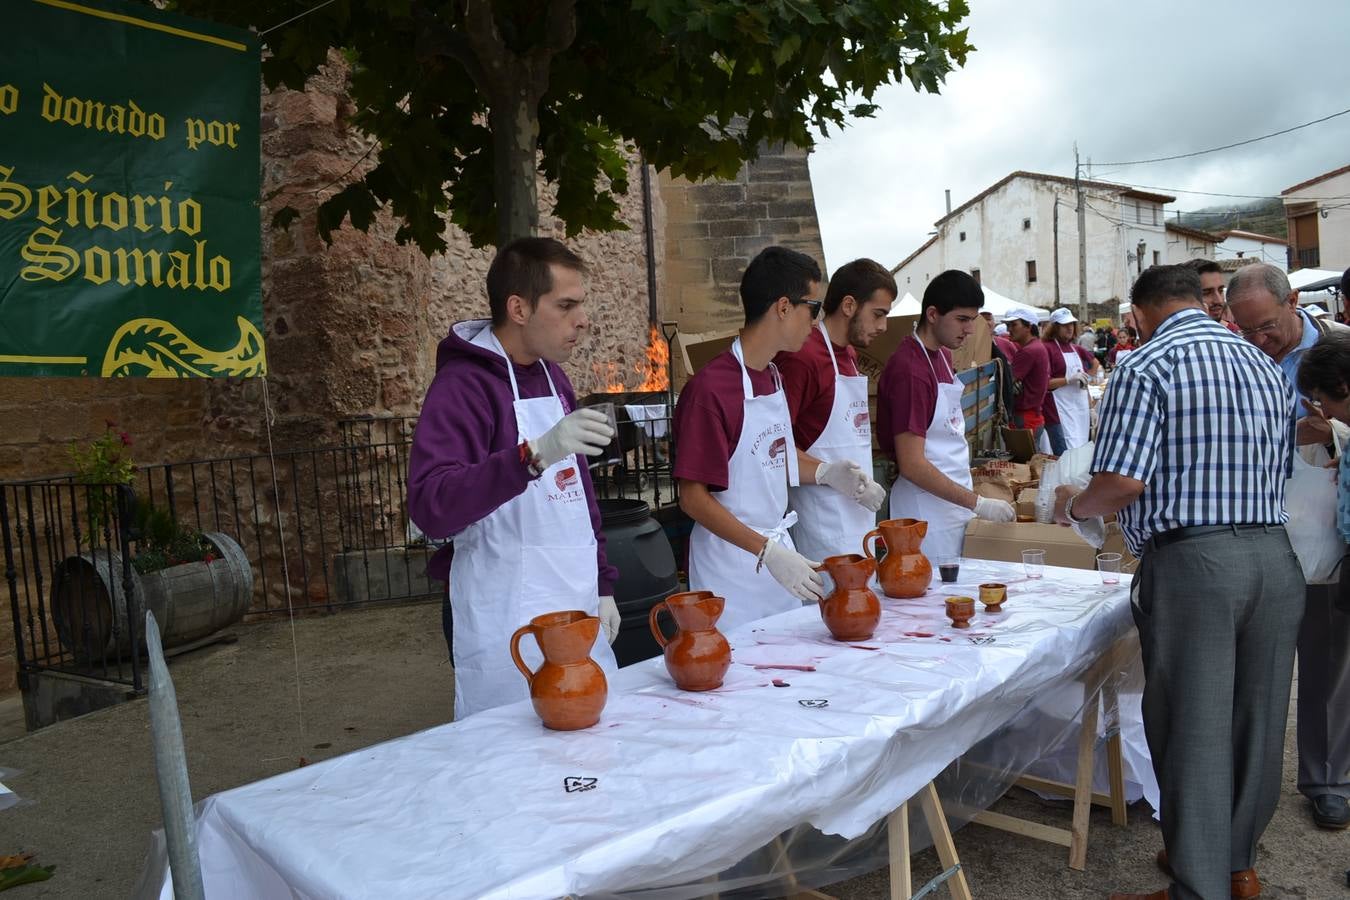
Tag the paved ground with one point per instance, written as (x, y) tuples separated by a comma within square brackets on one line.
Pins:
[(373, 675)]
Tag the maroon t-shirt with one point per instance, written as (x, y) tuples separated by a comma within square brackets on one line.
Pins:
[(808, 378), (708, 419), (907, 391), (1007, 345), (1031, 366)]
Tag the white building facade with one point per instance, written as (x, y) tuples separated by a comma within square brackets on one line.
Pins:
[(1237, 244), (1020, 237), (1318, 211)]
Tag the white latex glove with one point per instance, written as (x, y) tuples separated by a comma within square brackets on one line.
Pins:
[(584, 431), (609, 618), (845, 476), (992, 510), (1079, 378), (794, 572), (873, 495)]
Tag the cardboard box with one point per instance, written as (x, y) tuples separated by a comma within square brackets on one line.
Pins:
[(1006, 541), (1026, 502), (692, 352)]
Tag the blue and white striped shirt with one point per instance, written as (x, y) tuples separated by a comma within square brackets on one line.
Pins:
[(1204, 419)]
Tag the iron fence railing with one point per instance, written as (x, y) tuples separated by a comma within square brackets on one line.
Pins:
[(319, 530)]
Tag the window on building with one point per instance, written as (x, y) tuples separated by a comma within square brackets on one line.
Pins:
[(963, 235), (1031, 270), (1026, 224), (975, 273), (1157, 258), (1155, 215)]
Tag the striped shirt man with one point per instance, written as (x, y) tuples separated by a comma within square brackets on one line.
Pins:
[(1203, 419)]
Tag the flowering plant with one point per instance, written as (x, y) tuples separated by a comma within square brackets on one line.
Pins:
[(104, 460)]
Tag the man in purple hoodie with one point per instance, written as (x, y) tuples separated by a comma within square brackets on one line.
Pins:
[(498, 465)]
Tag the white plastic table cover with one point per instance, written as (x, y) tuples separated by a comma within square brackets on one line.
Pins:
[(669, 786)]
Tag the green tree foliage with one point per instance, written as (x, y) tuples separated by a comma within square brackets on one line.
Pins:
[(469, 98)]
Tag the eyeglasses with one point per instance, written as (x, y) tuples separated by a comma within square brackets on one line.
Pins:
[(814, 305), (1268, 328)]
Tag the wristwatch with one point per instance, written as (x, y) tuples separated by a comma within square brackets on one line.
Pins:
[(1068, 511)]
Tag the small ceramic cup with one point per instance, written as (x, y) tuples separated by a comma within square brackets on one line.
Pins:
[(960, 610), (993, 595)]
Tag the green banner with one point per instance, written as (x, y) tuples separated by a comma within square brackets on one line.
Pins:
[(129, 178)]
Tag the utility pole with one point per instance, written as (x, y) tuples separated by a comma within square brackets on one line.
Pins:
[(1056, 233), (1082, 238)]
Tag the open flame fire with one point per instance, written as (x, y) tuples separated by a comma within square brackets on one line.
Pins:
[(651, 374)]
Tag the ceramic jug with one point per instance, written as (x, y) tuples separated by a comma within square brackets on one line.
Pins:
[(569, 690), (904, 572), (851, 611), (698, 656)]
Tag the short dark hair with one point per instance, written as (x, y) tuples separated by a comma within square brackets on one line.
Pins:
[(1159, 284), (859, 279), (1325, 368), (952, 289), (521, 268), (1203, 266), (1345, 287), (775, 272)]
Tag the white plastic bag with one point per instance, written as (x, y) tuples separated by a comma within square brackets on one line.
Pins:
[(1075, 468), (1310, 498)]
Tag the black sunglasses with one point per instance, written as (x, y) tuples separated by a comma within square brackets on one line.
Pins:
[(814, 304)]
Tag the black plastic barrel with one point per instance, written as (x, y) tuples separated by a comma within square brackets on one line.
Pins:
[(637, 546)]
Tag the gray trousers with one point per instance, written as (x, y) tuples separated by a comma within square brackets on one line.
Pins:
[(1218, 618), (1324, 695)]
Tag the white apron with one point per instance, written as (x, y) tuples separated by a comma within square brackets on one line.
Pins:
[(761, 467), (534, 554), (1121, 354), (828, 523), (945, 447), (1075, 416)]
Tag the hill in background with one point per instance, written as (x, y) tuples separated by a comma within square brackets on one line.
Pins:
[(1260, 216)]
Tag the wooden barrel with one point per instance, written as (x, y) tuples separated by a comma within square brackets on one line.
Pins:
[(190, 601)]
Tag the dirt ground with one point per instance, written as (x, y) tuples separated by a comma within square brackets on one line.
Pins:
[(368, 676)]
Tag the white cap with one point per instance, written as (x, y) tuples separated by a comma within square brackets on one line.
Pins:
[(1000, 329), (1062, 316), (1020, 313), (1314, 310)]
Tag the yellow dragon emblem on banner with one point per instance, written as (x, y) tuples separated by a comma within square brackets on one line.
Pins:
[(154, 348)]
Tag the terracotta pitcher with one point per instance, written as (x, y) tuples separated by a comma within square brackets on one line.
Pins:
[(851, 611), (699, 655), (905, 572), (569, 690)]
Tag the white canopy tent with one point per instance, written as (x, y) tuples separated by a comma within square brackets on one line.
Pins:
[(1000, 306), (1317, 278), (907, 305)]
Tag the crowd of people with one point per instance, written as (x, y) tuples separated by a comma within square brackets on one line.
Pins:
[(1214, 388)]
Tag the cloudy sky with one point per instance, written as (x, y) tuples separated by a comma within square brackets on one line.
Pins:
[(1126, 81)]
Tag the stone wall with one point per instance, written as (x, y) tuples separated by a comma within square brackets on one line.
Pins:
[(714, 228)]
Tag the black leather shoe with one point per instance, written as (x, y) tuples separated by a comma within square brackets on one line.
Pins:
[(1330, 811)]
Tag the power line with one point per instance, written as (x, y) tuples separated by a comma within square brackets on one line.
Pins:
[(294, 17), (1138, 162)]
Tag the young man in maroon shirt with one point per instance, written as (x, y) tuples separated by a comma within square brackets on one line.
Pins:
[(921, 420), (736, 457), (827, 399), (1031, 370)]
